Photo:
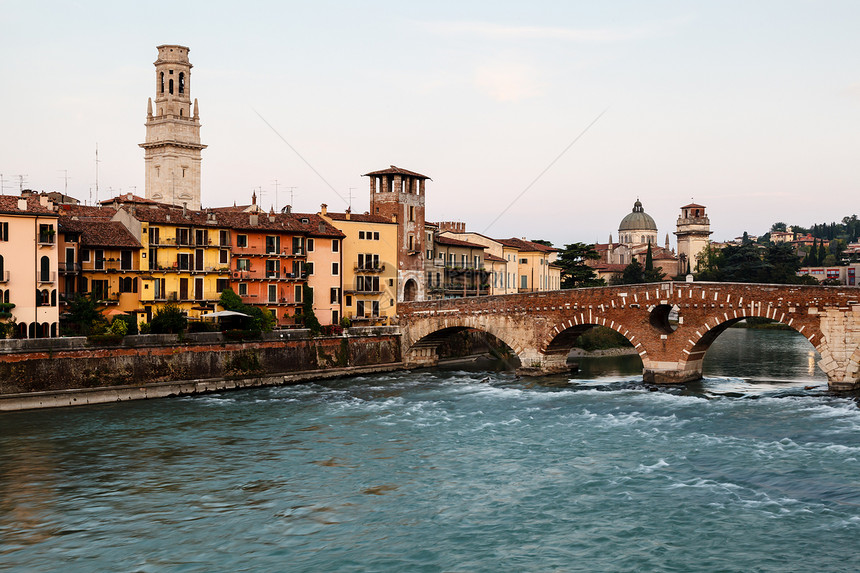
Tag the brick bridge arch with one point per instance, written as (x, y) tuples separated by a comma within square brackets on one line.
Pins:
[(541, 327)]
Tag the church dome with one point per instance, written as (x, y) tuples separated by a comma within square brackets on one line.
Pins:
[(638, 220)]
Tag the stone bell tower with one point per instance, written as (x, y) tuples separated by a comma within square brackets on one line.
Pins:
[(172, 147), (693, 232), (398, 194)]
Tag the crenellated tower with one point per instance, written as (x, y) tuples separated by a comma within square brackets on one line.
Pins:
[(398, 194), (172, 147)]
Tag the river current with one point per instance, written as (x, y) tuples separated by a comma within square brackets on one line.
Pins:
[(755, 468)]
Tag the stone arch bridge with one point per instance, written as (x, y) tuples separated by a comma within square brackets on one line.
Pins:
[(541, 327)]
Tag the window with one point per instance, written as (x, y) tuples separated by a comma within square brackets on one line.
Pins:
[(298, 292), (4, 231), (46, 234), (201, 236), (243, 289), (243, 264), (334, 295), (181, 82), (524, 281), (429, 254), (375, 308), (524, 261), (309, 268), (85, 255), (182, 236), (411, 213), (335, 317), (271, 268), (100, 260), (273, 244), (125, 260), (335, 269), (127, 284), (361, 234), (359, 308), (221, 285), (349, 300), (273, 293), (410, 242), (223, 238), (310, 245), (183, 261), (242, 241), (298, 244), (335, 245), (376, 235), (224, 257)]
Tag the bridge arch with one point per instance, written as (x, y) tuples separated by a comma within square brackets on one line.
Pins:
[(564, 334), (701, 340), (425, 337)]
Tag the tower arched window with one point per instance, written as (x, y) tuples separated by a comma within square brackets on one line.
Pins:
[(170, 86), (162, 82), (182, 82)]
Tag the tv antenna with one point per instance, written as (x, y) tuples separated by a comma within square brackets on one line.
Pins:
[(97, 173), (276, 194), (21, 183), (65, 178), (349, 196)]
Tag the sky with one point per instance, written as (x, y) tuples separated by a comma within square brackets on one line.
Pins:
[(540, 119)]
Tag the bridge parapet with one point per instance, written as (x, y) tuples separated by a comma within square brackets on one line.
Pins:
[(541, 327)]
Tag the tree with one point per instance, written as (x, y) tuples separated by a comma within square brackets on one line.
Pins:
[(169, 319), (649, 273), (84, 314), (632, 274), (309, 319), (575, 272), (258, 319), (782, 264), (778, 226), (543, 242), (822, 253)]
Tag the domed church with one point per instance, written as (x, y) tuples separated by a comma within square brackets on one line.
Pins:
[(636, 231)]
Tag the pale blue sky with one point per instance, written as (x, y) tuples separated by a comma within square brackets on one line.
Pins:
[(751, 108)]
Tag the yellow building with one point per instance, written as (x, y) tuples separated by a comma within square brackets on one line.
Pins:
[(28, 266), (501, 260), (186, 253), (369, 266), (536, 268)]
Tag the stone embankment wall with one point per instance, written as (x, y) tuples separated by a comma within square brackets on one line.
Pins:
[(34, 372)]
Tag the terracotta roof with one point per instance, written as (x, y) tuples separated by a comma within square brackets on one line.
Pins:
[(693, 206), (361, 218), (9, 204), (443, 240), (396, 171), (614, 268), (129, 198), (86, 212), (527, 246), (100, 233), (494, 258)]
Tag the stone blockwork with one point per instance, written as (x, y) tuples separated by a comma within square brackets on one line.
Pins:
[(59, 364), (541, 327)]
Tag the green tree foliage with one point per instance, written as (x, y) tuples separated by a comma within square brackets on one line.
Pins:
[(84, 315), (543, 242), (575, 272), (258, 319), (169, 319), (777, 263), (778, 226), (649, 273), (632, 274), (307, 316), (822, 253)]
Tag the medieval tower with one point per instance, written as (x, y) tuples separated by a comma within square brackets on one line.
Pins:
[(172, 147), (693, 230), (398, 194)]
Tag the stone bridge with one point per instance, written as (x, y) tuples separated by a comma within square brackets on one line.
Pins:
[(542, 327)]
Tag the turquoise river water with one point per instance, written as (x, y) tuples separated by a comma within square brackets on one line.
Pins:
[(465, 470)]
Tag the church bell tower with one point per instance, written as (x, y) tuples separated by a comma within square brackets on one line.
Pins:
[(693, 232), (172, 147)]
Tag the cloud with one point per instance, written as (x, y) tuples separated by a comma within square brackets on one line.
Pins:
[(508, 81), (581, 35)]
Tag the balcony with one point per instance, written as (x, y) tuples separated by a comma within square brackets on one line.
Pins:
[(47, 278), (369, 268), (4, 276), (46, 239), (69, 268), (261, 275)]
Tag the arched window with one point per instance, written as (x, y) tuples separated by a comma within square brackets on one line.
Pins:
[(170, 86), (6, 296), (44, 297), (45, 270), (32, 329), (53, 330), (2, 267), (22, 330), (180, 112), (182, 82), (162, 82), (53, 298)]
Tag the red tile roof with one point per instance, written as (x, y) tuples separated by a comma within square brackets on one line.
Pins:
[(443, 240), (494, 258), (527, 246), (9, 204), (361, 218), (396, 171), (100, 233), (129, 198)]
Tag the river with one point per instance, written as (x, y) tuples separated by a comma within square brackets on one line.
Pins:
[(755, 468)]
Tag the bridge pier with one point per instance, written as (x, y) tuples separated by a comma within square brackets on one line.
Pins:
[(657, 372), (539, 364)]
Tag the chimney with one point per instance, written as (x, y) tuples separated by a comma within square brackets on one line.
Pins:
[(254, 219), (323, 209), (184, 210), (348, 212), (22, 204)]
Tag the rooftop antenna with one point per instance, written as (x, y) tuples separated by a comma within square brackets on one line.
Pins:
[(2, 185), (292, 189), (260, 193), (350, 197), (276, 194), (66, 181), (21, 183), (97, 172)]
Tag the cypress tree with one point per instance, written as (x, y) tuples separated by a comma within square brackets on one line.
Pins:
[(813, 254), (822, 253), (649, 259)]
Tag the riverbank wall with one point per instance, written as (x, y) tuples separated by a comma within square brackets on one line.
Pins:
[(51, 372)]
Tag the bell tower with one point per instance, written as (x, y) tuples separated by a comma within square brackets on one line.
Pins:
[(398, 194), (172, 147), (693, 230)]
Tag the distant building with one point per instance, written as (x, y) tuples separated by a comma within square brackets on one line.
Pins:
[(847, 275), (693, 230), (172, 146)]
